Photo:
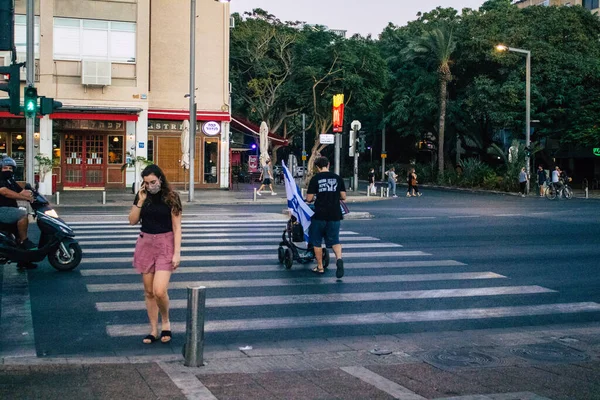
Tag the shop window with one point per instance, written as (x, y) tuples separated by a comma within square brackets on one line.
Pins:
[(211, 157), (150, 150), (115, 149), (2, 144), (17, 152)]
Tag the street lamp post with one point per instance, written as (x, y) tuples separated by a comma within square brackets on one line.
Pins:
[(527, 53)]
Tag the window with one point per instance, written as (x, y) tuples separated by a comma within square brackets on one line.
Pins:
[(21, 35), (77, 39), (590, 4), (115, 149)]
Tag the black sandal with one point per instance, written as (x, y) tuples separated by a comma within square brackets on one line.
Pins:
[(151, 339), (165, 334)]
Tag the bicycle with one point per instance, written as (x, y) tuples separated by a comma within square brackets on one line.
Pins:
[(552, 191)]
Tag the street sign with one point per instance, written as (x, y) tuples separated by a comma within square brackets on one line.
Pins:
[(304, 158), (356, 125), (383, 155), (326, 138)]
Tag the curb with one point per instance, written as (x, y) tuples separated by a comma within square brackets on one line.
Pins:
[(351, 215)]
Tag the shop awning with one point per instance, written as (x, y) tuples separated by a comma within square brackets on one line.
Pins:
[(252, 128), (181, 115)]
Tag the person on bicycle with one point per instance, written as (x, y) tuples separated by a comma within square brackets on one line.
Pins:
[(556, 178)]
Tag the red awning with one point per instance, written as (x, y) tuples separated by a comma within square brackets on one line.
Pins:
[(95, 116), (181, 115), (254, 129)]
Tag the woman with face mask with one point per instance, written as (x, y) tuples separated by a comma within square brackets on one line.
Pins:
[(158, 248)]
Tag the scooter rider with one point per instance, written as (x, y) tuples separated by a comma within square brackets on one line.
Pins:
[(10, 192)]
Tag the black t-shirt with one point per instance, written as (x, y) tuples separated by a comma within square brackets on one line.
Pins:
[(327, 187), (371, 177), (155, 215), (12, 185)]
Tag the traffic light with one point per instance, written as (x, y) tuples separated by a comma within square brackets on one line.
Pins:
[(361, 144), (11, 85), (352, 147), (7, 25), (528, 151), (48, 105), (30, 102)]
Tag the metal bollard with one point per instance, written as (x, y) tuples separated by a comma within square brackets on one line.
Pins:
[(254, 195), (382, 189), (57, 198), (104, 197), (387, 192), (193, 349), (586, 192), (368, 191)]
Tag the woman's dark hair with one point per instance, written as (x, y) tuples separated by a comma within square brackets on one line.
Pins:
[(170, 197)]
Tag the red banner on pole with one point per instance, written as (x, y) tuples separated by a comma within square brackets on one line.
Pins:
[(338, 113)]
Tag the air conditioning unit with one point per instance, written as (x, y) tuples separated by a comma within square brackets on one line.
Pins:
[(96, 73)]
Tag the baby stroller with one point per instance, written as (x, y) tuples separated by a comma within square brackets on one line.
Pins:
[(288, 252)]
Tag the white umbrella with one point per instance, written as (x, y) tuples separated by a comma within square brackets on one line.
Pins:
[(185, 150), (264, 143)]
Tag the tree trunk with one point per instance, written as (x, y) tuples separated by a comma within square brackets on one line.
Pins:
[(442, 125)]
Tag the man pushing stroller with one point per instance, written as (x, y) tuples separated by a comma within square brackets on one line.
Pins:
[(329, 189)]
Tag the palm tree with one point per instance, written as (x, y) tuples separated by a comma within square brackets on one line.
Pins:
[(437, 46)]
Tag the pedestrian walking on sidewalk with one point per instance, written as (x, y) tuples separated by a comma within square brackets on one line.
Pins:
[(392, 179), (372, 181), (523, 181), (158, 247), (329, 189), (266, 177), (412, 184)]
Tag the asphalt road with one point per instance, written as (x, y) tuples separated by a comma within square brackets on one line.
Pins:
[(445, 261)]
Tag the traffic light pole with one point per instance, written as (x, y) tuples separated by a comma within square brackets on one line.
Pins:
[(30, 119)]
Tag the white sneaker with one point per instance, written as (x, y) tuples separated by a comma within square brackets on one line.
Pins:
[(420, 194), (259, 193), (408, 195), (394, 196), (273, 194)]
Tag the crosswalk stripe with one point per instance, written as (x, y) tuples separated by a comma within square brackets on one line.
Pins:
[(187, 221), (275, 268), (256, 247), (195, 228), (271, 256), (118, 287), (334, 298), (259, 324), (276, 238), (189, 234)]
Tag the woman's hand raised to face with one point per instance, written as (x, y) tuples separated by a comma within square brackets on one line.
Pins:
[(142, 194)]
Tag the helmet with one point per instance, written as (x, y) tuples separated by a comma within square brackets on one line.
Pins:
[(8, 162)]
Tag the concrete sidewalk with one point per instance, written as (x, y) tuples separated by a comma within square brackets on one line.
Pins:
[(242, 194), (531, 363)]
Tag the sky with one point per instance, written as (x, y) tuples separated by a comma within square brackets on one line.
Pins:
[(355, 16)]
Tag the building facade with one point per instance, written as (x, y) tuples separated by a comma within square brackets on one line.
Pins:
[(121, 70), (591, 5)]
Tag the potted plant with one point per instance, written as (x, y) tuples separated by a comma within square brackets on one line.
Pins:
[(44, 165), (138, 163)]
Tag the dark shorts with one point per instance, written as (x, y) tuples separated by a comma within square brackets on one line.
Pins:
[(328, 230), (154, 252), (11, 215), (267, 181)]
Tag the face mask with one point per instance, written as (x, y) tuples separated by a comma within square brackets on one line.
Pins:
[(6, 175), (153, 189)]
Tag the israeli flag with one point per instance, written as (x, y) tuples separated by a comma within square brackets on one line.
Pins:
[(296, 203)]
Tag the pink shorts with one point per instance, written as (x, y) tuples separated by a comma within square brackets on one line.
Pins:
[(154, 252)]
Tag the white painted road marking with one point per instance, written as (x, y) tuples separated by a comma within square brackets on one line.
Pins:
[(275, 268), (335, 298), (258, 324), (118, 287), (17, 338)]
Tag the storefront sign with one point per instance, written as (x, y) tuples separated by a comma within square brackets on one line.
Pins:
[(211, 128), (141, 145), (597, 151), (85, 124), (253, 163)]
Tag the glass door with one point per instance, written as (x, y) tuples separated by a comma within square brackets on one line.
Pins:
[(211, 161)]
